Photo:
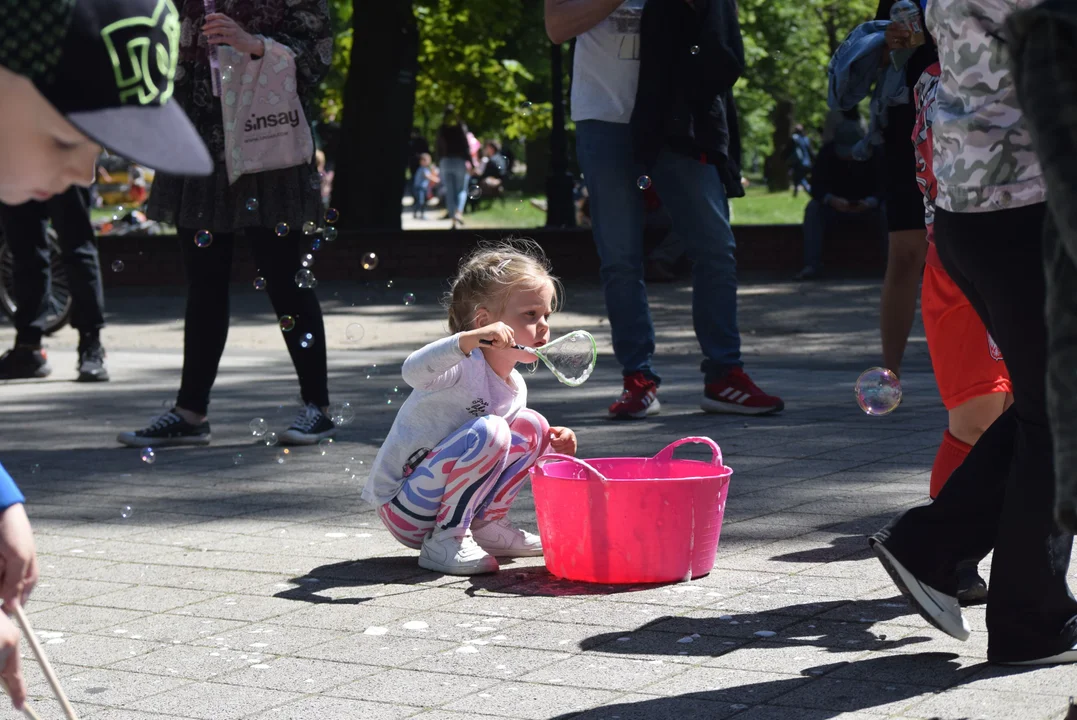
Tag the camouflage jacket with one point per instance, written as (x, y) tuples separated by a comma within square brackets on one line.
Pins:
[(984, 160)]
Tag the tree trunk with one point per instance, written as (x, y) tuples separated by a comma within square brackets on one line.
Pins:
[(379, 107), (777, 172)]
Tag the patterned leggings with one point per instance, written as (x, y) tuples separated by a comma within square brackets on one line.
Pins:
[(475, 473)]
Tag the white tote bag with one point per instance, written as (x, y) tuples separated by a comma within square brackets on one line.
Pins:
[(264, 124)]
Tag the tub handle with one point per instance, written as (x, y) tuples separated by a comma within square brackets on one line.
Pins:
[(666, 454), (568, 458)]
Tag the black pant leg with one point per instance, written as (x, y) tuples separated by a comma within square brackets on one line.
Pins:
[(70, 215), (24, 231), (995, 258), (1060, 260), (278, 262), (205, 331)]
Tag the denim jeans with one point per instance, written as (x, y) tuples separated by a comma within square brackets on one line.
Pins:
[(695, 197), (819, 218), (454, 178)]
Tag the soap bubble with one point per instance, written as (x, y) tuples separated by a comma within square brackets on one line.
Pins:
[(307, 260), (643, 182), (325, 445), (878, 391), (259, 283), (283, 455), (330, 234), (237, 459), (370, 261), (694, 49), (316, 244), (259, 427), (526, 109), (370, 371), (394, 396), (354, 332), (117, 266), (252, 204), (125, 512), (270, 439), (310, 227), (341, 413), (203, 238), (409, 298), (332, 215), (226, 73), (306, 341), (287, 323), (474, 192), (304, 279), (149, 456), (388, 284), (282, 229)]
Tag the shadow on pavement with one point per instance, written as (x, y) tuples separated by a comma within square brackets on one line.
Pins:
[(829, 698)]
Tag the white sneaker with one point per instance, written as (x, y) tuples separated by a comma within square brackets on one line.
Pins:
[(1066, 656), (501, 539), (941, 610), (451, 553)]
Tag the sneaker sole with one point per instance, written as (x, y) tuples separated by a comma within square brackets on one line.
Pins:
[(141, 442), (429, 564), (38, 374), (920, 596), (89, 377), (294, 437), (728, 408), (1068, 656), (509, 554), (653, 409)]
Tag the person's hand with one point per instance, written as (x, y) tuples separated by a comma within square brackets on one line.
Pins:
[(897, 36), (563, 441), (496, 335), (18, 557), (223, 30), (840, 204), (11, 662)]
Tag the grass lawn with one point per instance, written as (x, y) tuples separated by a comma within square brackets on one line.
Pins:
[(761, 207), (515, 212)]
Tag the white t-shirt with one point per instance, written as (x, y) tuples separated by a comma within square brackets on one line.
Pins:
[(606, 70), (450, 389)]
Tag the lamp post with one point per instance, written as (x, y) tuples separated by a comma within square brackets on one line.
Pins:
[(560, 207)]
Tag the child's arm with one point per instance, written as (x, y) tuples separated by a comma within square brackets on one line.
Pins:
[(435, 366)]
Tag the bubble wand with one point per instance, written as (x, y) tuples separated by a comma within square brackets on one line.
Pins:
[(571, 358)]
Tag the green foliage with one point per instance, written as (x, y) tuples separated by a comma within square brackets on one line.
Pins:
[(490, 58), (788, 44)]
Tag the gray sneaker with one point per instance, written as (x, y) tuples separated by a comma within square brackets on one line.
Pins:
[(92, 364), (168, 430)]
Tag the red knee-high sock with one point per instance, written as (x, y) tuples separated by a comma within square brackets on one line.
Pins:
[(951, 454)]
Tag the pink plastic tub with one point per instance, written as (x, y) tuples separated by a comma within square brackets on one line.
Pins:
[(631, 520)]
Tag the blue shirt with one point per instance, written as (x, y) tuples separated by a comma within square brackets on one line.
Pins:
[(9, 491)]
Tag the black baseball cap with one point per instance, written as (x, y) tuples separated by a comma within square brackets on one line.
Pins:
[(108, 66)]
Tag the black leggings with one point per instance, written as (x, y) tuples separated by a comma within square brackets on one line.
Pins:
[(209, 270)]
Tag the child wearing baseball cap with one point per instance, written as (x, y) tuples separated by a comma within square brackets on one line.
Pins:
[(76, 75)]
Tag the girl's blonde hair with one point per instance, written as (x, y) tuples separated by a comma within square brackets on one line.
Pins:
[(490, 273)]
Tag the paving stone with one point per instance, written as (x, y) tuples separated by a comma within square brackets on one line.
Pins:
[(413, 687), (212, 701), (527, 700), (320, 708)]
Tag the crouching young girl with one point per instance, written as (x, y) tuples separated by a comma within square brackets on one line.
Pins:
[(461, 445)]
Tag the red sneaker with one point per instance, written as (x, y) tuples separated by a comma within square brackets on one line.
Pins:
[(737, 394), (639, 399)]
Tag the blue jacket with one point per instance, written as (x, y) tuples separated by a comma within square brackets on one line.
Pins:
[(853, 71), (9, 491)]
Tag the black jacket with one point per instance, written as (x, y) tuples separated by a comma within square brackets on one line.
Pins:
[(854, 180), (690, 59)]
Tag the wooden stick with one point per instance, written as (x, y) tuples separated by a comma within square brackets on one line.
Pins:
[(27, 709), (43, 661)]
